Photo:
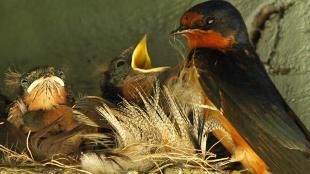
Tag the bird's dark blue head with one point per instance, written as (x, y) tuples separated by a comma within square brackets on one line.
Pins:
[(213, 24)]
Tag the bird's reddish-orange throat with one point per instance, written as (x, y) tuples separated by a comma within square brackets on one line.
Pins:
[(207, 39)]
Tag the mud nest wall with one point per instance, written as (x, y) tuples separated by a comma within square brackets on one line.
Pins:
[(82, 36)]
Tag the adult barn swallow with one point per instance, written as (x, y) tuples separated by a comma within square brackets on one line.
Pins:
[(128, 72), (232, 77)]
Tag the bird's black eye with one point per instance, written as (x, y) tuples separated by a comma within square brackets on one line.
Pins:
[(120, 63), (210, 20), (24, 81), (61, 73)]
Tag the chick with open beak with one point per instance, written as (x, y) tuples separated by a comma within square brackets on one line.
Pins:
[(44, 98), (128, 72)]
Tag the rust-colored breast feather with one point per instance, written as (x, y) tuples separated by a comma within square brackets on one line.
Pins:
[(137, 81), (45, 118), (207, 39), (42, 99)]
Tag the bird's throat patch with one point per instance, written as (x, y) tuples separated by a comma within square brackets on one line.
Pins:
[(44, 98), (207, 39)]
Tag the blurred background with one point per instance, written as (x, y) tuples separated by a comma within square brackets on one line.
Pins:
[(82, 36)]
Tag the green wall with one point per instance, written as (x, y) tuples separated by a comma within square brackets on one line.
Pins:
[(82, 35)]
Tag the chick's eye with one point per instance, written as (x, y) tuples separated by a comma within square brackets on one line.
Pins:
[(61, 73), (24, 81), (120, 63)]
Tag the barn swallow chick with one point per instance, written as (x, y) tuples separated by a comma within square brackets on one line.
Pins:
[(44, 108), (44, 97), (128, 72)]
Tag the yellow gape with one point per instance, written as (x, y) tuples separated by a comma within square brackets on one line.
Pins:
[(141, 60), (140, 56)]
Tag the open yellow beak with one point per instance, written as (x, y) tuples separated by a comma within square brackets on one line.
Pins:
[(141, 60)]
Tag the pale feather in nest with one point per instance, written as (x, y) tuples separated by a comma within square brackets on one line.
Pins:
[(152, 136)]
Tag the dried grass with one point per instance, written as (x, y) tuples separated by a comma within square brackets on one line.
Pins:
[(13, 162), (147, 136)]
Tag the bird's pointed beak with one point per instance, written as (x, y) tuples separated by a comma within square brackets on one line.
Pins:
[(141, 60), (180, 30)]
